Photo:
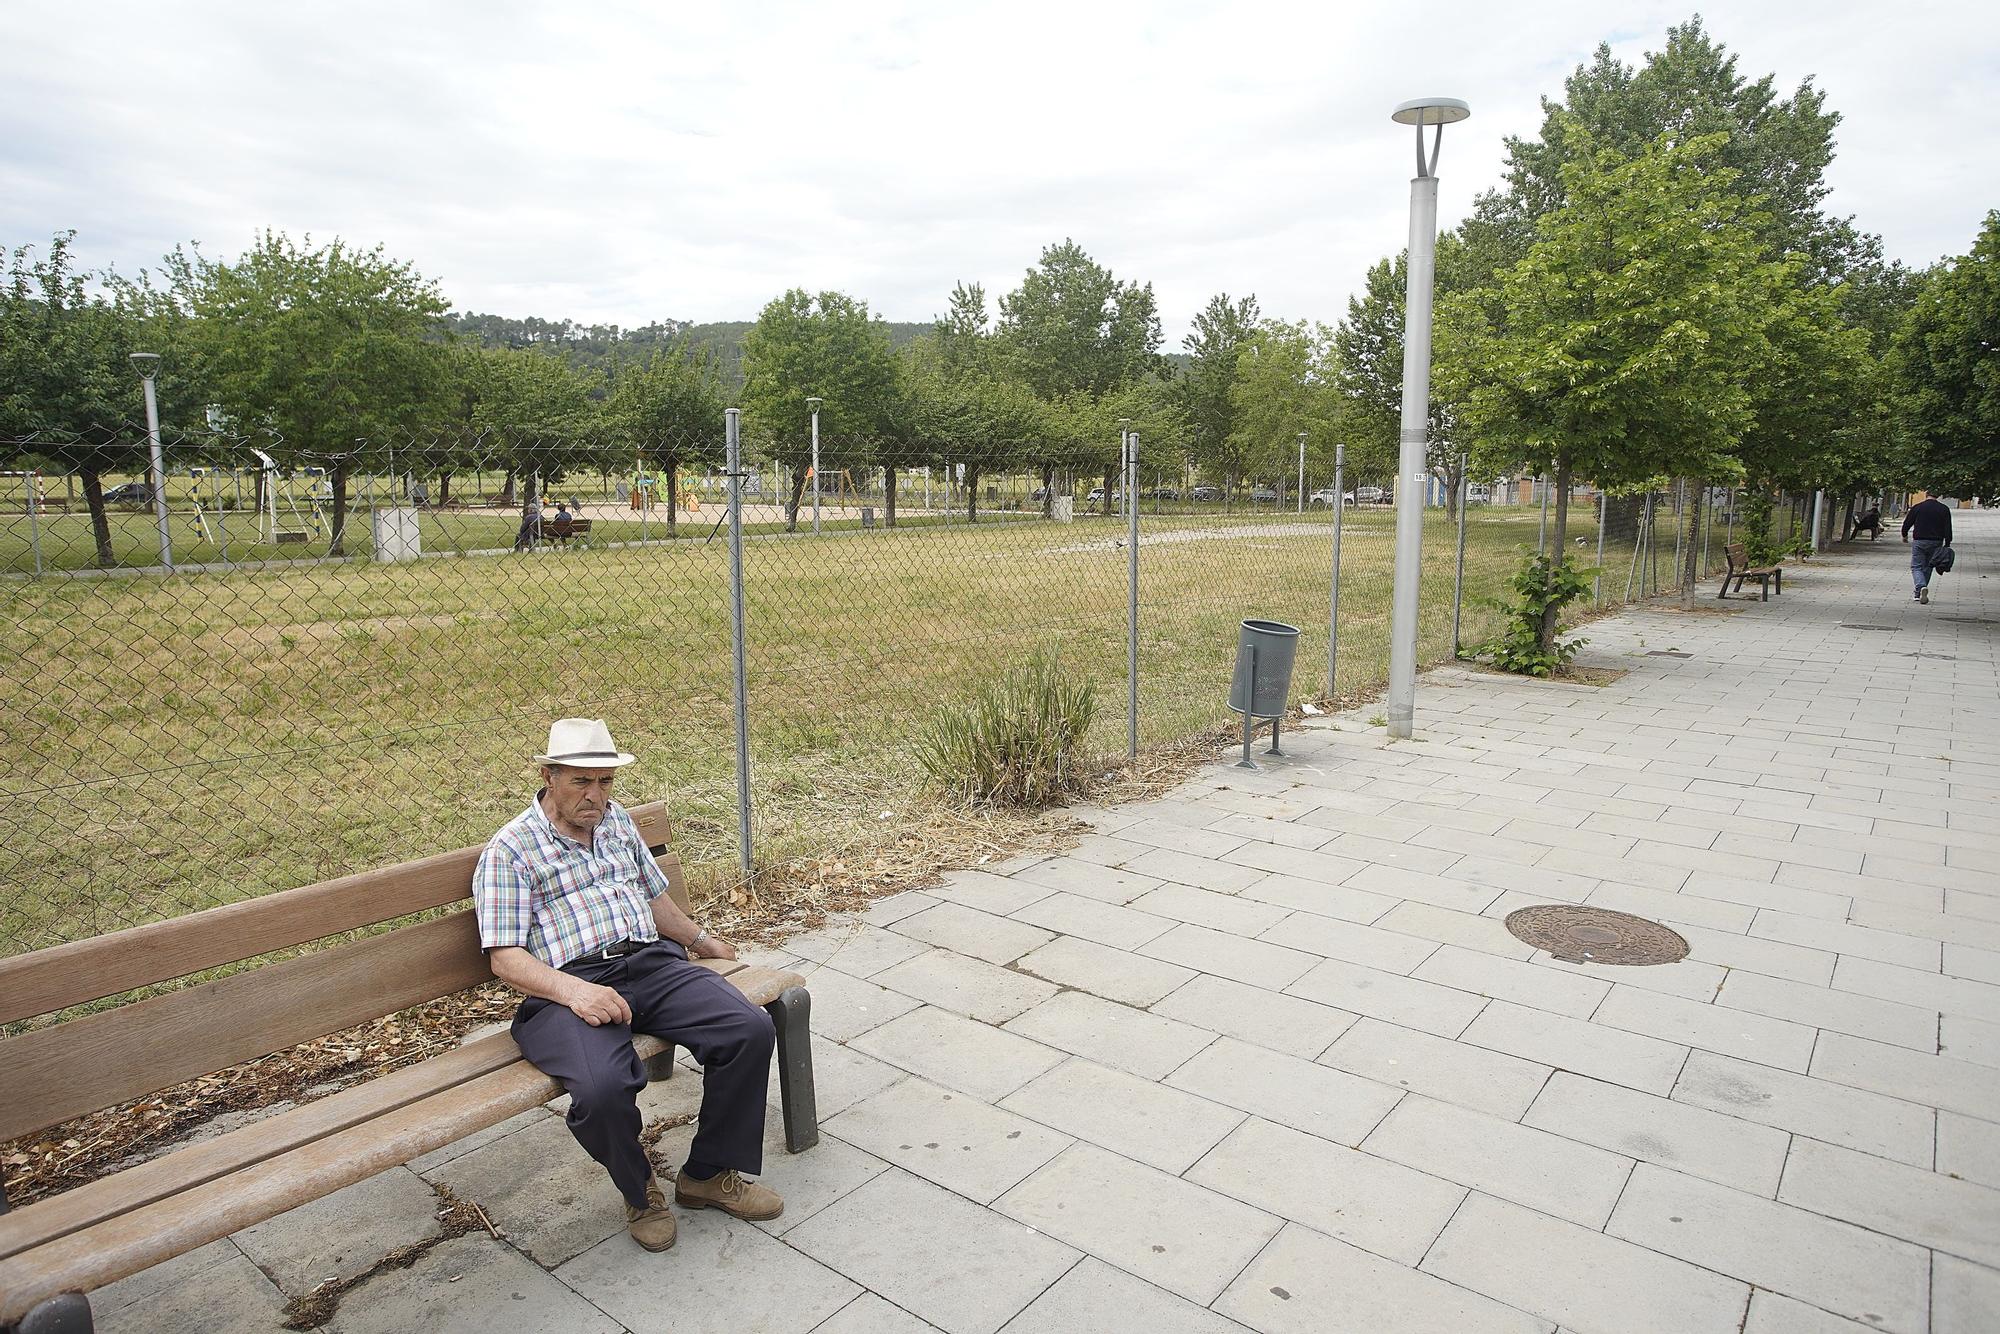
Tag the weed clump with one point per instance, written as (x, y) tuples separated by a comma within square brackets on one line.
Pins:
[(1015, 743)]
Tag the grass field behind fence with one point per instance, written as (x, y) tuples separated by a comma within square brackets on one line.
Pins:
[(174, 743)]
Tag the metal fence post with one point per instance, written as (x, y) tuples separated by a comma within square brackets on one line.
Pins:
[(733, 435), (35, 518), (1333, 599), (1603, 518), (1131, 452), (1458, 579)]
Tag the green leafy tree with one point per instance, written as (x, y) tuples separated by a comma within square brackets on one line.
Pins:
[(1071, 327), (320, 346), (1948, 364), (669, 411), (1284, 385), (826, 346), (1778, 146), (1633, 327), (1368, 367), (66, 385), (534, 412), (1222, 329)]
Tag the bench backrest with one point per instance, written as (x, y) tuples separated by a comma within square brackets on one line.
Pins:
[(1733, 553), (51, 1074)]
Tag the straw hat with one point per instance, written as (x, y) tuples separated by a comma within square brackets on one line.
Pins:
[(583, 743)]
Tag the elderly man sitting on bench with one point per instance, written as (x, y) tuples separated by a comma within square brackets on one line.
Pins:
[(574, 912)]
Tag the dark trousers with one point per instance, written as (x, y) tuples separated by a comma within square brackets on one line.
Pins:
[(687, 1005)]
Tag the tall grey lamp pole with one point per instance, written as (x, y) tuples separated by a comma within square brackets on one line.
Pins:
[(1420, 112), (148, 366), (814, 403)]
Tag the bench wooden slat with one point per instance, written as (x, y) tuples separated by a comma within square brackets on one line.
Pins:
[(196, 1164), (54, 979), (761, 985), (104, 1059), (159, 1231)]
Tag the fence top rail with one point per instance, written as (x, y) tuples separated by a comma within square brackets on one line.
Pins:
[(49, 980)]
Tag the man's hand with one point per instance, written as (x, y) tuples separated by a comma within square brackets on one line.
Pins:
[(598, 1006), (711, 947)]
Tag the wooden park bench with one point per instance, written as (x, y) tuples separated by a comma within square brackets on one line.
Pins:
[(560, 531), (1740, 569), (55, 1250)]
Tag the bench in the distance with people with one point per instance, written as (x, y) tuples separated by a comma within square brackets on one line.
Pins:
[(55, 1250)]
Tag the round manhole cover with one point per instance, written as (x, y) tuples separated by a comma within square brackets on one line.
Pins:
[(1576, 934)]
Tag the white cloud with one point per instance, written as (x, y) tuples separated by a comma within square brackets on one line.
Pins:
[(630, 162)]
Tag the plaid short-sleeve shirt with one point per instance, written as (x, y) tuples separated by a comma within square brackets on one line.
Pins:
[(541, 890)]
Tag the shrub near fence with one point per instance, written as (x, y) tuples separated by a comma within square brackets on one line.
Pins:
[(267, 715)]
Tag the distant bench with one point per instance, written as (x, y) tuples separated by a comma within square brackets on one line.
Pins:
[(560, 531), (55, 1250), (1740, 569)]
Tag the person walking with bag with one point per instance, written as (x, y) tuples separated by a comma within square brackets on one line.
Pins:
[(1927, 531)]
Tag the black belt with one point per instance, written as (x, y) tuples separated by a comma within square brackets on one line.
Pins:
[(609, 952)]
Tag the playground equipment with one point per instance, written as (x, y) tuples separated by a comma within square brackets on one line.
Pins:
[(32, 501), (276, 485)]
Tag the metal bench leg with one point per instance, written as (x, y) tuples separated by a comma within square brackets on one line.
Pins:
[(1781, 583), (660, 1065), (791, 1013), (3, 1195), (68, 1313)]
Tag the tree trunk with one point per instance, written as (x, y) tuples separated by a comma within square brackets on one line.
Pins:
[(1110, 485), (888, 497), (792, 505), (100, 523), (507, 491), (1547, 636), (673, 501), (972, 493), (1454, 483), (1048, 490), (444, 488), (337, 544)]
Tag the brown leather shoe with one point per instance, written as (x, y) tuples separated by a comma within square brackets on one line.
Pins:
[(730, 1193), (653, 1226)]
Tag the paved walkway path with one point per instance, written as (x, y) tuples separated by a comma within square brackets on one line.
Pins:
[(1261, 1054)]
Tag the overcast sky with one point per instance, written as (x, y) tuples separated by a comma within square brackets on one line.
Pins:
[(627, 162)]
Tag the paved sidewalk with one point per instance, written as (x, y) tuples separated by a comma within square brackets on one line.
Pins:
[(1261, 1055)]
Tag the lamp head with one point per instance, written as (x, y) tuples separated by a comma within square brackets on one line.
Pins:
[(813, 400), (1434, 111), (146, 363), (1430, 111)]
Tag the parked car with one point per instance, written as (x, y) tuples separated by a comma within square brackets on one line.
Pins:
[(1161, 493), (1325, 496), (1096, 496), (1263, 495), (1205, 493), (1478, 493), (130, 493), (1370, 495)]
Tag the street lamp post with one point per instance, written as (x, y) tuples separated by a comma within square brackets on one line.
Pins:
[(148, 366), (1420, 112), (814, 403)]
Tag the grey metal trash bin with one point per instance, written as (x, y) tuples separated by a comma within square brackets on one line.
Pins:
[(1265, 652)]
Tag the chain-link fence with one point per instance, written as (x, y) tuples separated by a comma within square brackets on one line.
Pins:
[(274, 668)]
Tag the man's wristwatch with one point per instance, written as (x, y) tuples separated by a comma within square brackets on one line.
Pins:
[(700, 934)]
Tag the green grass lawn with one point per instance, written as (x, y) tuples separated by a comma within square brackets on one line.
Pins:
[(173, 743)]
